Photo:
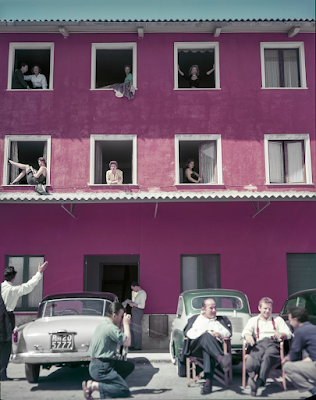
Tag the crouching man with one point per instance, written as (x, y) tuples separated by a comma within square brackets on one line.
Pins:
[(263, 333), (109, 373), (301, 369), (205, 333)]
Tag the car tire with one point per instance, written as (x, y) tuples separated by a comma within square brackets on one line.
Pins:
[(32, 372), (172, 352), (182, 371)]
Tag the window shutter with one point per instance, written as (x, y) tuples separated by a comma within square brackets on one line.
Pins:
[(272, 68), (276, 162), (189, 273), (291, 77), (295, 161), (207, 162)]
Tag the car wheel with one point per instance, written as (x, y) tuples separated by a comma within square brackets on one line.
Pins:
[(32, 372), (172, 352), (182, 371)]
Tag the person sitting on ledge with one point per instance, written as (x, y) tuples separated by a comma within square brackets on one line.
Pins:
[(114, 176), (33, 177), (189, 172)]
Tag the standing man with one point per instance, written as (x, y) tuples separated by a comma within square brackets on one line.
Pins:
[(263, 333), (205, 332), (18, 81), (108, 372), (138, 306), (302, 371), (9, 296)]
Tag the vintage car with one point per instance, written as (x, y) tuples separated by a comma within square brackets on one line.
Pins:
[(61, 333), (306, 299), (230, 303)]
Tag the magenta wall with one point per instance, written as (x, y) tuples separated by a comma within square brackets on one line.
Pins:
[(252, 250), (241, 111)]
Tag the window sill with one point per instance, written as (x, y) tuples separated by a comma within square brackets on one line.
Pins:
[(105, 89), (311, 185), (196, 89), (200, 185), (31, 90), (284, 88), (114, 186), (21, 186)]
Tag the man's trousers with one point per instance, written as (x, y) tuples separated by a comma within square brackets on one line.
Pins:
[(300, 373)]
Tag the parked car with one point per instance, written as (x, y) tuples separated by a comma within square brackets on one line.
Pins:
[(305, 298), (61, 333), (230, 303)]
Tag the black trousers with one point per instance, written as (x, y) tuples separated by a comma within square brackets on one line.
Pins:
[(264, 355), (5, 350), (208, 348)]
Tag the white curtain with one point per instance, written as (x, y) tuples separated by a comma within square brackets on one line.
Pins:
[(207, 162), (290, 68), (36, 295), (295, 161), (98, 163), (189, 273), (14, 156), (276, 162), (272, 68)]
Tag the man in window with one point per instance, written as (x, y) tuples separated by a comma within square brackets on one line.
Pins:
[(18, 81), (263, 334), (205, 333), (9, 296)]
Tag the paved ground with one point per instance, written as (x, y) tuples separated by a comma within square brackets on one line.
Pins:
[(154, 377)]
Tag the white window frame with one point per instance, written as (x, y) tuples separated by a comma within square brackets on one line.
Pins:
[(206, 137), (112, 46), (25, 138), (196, 45), (284, 45), (30, 46), (99, 138), (307, 154)]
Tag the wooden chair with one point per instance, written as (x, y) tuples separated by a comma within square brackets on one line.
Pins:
[(223, 377), (274, 373)]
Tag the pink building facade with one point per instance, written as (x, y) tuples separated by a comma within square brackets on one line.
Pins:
[(245, 227)]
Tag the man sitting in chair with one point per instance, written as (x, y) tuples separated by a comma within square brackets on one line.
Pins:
[(263, 333), (205, 333)]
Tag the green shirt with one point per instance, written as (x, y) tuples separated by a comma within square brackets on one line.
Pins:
[(105, 340), (129, 78)]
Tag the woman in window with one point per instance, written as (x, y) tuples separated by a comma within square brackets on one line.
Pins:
[(38, 80), (124, 89), (114, 176), (33, 177), (194, 76), (189, 174)]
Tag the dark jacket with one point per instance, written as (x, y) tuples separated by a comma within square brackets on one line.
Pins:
[(186, 345), (18, 81)]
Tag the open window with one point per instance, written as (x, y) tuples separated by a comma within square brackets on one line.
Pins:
[(119, 148), (108, 61), (288, 159), (25, 150), (283, 65), (32, 54), (204, 56), (205, 150)]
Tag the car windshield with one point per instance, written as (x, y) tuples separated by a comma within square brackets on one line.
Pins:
[(222, 302), (60, 307)]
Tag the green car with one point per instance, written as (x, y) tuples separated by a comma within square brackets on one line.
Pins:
[(230, 303)]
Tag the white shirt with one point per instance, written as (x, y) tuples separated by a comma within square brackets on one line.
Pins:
[(203, 324), (140, 299), (11, 294), (38, 81), (266, 329)]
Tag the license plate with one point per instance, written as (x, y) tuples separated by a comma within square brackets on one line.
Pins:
[(62, 342)]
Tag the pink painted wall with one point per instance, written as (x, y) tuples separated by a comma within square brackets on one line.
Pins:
[(241, 111), (252, 250)]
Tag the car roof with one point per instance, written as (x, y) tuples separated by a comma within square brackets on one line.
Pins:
[(201, 292), (89, 295), (302, 292)]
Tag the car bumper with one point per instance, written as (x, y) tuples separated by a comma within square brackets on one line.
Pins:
[(50, 358)]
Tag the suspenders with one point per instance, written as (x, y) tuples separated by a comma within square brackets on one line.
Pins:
[(273, 323)]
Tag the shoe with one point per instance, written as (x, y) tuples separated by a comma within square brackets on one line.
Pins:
[(206, 389), (15, 183), (226, 362), (253, 387)]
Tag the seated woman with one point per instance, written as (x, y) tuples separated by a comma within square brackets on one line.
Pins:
[(124, 89), (38, 80), (33, 177), (189, 173), (114, 176), (194, 76)]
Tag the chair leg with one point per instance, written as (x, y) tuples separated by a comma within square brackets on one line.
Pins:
[(243, 365)]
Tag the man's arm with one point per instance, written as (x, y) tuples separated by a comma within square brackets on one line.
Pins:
[(27, 287), (127, 331), (283, 331), (20, 78), (248, 331)]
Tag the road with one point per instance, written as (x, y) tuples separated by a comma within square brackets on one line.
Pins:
[(150, 380)]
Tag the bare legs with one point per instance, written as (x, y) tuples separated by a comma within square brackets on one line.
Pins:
[(23, 167)]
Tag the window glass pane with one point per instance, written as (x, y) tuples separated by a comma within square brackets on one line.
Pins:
[(18, 264), (295, 161), (210, 271), (272, 68), (276, 162), (301, 271), (189, 273), (36, 295), (291, 76)]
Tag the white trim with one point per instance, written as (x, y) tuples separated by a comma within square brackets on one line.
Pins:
[(112, 46), (94, 138), (197, 45), (205, 137), (284, 45), (307, 155), (30, 46), (26, 138)]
